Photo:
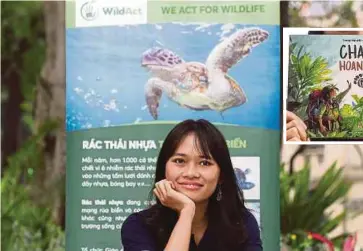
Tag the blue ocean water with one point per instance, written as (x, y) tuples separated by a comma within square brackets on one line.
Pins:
[(105, 82)]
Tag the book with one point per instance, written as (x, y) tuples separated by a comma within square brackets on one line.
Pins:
[(325, 84)]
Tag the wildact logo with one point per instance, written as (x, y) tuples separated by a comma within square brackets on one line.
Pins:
[(123, 11), (89, 11)]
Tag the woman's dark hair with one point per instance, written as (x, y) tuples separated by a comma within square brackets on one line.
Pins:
[(225, 217)]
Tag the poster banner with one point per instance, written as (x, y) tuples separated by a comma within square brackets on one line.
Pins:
[(325, 85), (137, 68)]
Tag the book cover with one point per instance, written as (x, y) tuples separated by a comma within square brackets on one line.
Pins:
[(325, 85)]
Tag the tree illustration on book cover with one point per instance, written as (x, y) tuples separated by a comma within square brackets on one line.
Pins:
[(325, 84)]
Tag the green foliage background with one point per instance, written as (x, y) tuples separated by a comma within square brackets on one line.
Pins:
[(304, 208), (26, 212)]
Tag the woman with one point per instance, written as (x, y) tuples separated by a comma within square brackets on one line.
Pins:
[(198, 203)]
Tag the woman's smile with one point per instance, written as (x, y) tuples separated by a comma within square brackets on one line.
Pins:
[(190, 185)]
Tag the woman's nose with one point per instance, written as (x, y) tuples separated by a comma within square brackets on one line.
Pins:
[(191, 170)]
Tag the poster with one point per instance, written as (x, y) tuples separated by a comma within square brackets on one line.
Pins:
[(325, 85), (136, 69)]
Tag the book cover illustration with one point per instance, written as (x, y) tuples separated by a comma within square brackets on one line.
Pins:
[(325, 85)]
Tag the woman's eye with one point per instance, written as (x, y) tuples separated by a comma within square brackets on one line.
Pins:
[(178, 161), (205, 163)]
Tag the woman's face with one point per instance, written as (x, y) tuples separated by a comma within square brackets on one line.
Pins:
[(194, 175)]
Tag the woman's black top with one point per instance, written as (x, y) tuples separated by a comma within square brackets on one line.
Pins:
[(136, 237)]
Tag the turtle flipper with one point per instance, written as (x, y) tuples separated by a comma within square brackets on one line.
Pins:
[(234, 48), (154, 89)]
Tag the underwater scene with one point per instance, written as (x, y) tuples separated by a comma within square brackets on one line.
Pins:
[(225, 73)]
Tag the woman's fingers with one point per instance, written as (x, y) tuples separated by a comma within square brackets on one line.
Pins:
[(161, 189), (172, 185), (168, 187), (157, 194)]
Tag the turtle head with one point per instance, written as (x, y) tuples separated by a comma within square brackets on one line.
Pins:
[(157, 56), (196, 67), (199, 69)]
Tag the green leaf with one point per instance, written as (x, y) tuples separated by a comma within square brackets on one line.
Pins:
[(332, 224), (29, 121), (302, 183), (300, 50), (26, 107), (310, 205), (27, 224), (356, 98)]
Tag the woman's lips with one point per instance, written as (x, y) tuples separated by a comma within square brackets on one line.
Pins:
[(191, 185)]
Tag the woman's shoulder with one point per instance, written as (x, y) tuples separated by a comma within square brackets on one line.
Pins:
[(249, 219), (135, 234), (253, 231), (135, 220)]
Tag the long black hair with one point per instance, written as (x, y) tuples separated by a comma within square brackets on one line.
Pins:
[(225, 217)]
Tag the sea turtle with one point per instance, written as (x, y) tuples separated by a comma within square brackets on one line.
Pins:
[(195, 85), (241, 179)]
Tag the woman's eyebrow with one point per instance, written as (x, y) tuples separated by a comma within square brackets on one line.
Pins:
[(179, 154), (205, 157), (200, 156)]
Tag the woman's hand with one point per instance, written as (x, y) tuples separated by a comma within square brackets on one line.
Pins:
[(184, 206), (169, 197)]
